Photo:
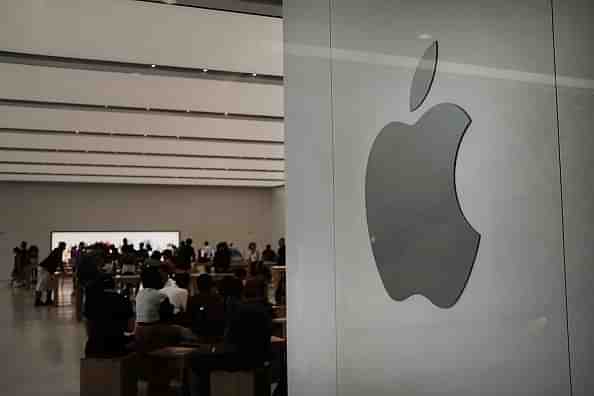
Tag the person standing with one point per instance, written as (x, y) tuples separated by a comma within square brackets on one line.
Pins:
[(187, 256), (32, 265), (205, 254), (21, 259), (281, 255), (253, 255), (45, 274)]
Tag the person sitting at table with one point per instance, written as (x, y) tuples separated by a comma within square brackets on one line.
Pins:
[(268, 255), (247, 340), (241, 274), (177, 294), (154, 314), (206, 315), (154, 330), (170, 260), (128, 264), (109, 316), (154, 260)]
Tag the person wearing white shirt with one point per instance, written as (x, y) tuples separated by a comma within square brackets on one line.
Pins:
[(253, 255), (178, 296), (206, 253)]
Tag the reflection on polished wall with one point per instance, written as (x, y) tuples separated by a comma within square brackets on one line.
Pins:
[(523, 73)]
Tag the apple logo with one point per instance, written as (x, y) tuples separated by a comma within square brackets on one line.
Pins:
[(421, 240)]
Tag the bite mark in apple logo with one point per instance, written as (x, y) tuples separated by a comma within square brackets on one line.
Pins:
[(421, 241)]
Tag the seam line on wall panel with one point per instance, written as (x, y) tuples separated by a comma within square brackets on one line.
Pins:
[(137, 109), (138, 176), (132, 69), (559, 155), (333, 200), (145, 154), (246, 141), (180, 168)]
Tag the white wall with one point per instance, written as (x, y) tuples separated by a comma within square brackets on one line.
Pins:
[(30, 211)]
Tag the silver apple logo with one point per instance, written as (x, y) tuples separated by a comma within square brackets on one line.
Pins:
[(421, 241)]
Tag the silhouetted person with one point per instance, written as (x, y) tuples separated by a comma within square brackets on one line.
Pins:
[(247, 339), (206, 309), (33, 257), (281, 254), (142, 253), (187, 255), (222, 258), (45, 274), (21, 259), (268, 255), (109, 315), (280, 294), (126, 248)]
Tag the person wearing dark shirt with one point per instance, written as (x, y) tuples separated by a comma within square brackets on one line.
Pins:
[(45, 274), (126, 248), (33, 256), (109, 315), (206, 310), (250, 328), (281, 254), (21, 258), (280, 294), (222, 258), (142, 253), (187, 255), (247, 339), (268, 255)]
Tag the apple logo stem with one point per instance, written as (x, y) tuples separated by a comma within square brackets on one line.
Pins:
[(421, 241)]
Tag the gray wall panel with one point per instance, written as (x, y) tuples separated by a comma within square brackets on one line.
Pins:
[(507, 333), (310, 248), (575, 67)]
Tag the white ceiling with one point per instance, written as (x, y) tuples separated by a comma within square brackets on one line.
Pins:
[(81, 101)]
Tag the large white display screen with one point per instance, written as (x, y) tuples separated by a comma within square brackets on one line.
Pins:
[(158, 240)]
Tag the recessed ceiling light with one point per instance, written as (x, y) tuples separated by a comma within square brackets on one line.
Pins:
[(153, 66), (425, 36), (205, 70), (188, 110), (77, 131), (255, 74), (226, 114)]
